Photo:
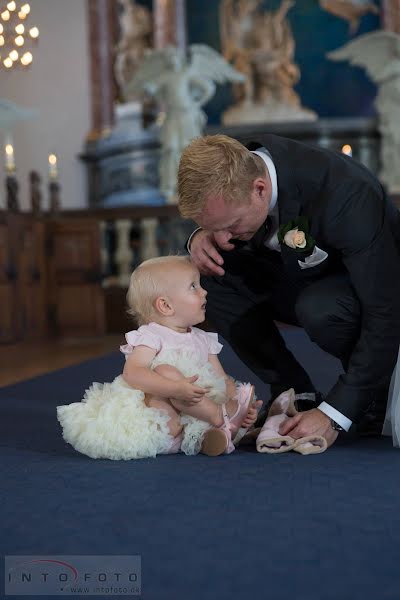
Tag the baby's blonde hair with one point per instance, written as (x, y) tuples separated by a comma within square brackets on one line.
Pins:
[(146, 285), (213, 166)]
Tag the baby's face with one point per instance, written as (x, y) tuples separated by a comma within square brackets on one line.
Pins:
[(187, 296)]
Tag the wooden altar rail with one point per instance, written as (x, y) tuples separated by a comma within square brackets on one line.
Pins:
[(59, 270), (124, 237), (130, 235), (66, 274)]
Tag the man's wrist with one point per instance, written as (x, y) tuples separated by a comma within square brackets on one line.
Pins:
[(191, 237), (336, 426), (334, 414)]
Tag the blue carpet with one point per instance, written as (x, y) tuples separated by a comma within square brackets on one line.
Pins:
[(239, 526)]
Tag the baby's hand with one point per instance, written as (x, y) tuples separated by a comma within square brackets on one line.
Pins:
[(252, 413), (188, 393)]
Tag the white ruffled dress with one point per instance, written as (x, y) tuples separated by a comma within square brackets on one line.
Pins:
[(112, 420)]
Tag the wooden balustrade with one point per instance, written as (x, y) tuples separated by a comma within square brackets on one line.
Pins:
[(130, 235), (66, 273)]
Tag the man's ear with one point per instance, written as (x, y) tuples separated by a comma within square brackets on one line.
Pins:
[(163, 305), (262, 187)]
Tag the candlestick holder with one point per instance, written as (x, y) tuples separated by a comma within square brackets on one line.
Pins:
[(35, 181), (12, 188), (54, 196)]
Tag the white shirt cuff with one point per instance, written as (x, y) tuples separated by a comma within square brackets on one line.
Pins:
[(334, 414), (190, 239)]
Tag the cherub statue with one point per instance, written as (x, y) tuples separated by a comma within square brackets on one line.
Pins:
[(135, 37), (182, 85), (379, 54), (274, 41), (261, 45), (236, 27), (350, 10)]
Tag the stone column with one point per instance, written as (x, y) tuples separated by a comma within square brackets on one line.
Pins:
[(169, 23), (391, 15), (101, 17)]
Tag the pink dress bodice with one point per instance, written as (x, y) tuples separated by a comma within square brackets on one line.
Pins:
[(164, 340)]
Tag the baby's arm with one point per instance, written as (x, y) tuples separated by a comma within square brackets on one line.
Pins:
[(138, 374)]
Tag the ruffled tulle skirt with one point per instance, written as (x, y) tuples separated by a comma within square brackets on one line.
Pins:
[(112, 420)]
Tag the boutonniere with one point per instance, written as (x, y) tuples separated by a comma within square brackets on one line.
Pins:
[(295, 235)]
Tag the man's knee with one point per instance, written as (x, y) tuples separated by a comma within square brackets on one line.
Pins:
[(321, 307), (311, 313)]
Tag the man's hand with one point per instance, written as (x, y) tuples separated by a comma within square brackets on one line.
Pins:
[(309, 422), (188, 393), (204, 253)]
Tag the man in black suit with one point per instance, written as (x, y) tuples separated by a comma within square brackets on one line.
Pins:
[(343, 287)]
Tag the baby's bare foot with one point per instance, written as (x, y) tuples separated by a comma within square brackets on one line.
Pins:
[(244, 398)]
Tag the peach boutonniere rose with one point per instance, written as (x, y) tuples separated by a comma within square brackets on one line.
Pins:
[(295, 235)]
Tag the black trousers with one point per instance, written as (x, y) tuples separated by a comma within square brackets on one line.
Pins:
[(256, 291)]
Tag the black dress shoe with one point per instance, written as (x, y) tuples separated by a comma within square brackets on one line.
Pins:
[(371, 423)]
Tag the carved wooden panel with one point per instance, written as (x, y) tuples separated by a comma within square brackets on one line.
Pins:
[(8, 318), (32, 278), (10, 328), (75, 293)]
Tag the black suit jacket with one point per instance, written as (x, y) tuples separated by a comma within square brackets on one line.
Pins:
[(354, 222)]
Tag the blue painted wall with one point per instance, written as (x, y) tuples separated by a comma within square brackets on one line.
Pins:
[(331, 89)]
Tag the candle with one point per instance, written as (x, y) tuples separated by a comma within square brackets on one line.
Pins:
[(53, 171), (9, 155), (347, 149)]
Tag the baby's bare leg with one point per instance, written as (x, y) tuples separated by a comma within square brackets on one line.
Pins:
[(230, 388), (205, 410), (174, 423)]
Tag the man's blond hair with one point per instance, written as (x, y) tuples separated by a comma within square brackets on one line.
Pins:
[(215, 166), (148, 282)]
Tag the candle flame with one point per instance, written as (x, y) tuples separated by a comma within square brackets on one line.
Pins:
[(347, 149)]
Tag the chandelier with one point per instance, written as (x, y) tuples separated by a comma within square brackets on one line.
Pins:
[(16, 35)]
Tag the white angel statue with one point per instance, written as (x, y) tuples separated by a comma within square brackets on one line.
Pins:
[(379, 54), (182, 85)]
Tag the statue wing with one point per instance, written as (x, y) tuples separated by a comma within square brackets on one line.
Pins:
[(153, 65), (373, 51), (208, 63)]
